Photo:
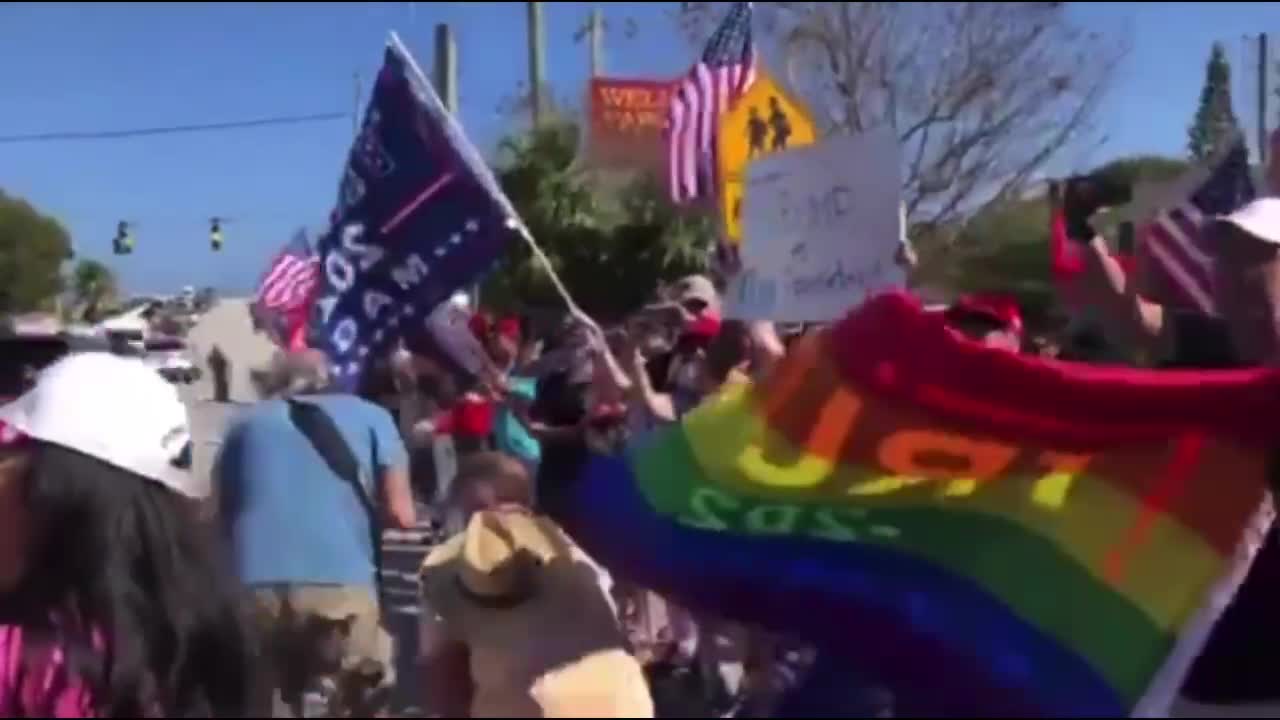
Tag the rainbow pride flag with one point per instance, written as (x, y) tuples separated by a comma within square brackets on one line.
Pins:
[(990, 534)]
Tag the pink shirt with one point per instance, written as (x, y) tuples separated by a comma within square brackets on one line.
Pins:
[(48, 690)]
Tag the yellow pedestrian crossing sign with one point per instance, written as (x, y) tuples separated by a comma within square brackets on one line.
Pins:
[(766, 119)]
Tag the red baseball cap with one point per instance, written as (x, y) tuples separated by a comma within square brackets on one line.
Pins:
[(998, 307)]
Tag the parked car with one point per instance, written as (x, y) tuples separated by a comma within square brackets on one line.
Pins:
[(171, 357)]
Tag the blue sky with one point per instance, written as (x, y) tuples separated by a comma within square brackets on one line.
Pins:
[(74, 67)]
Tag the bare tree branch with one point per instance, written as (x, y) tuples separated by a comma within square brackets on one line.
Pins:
[(982, 94)]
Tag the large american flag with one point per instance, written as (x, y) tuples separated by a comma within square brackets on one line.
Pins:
[(1176, 248), (289, 283), (725, 71)]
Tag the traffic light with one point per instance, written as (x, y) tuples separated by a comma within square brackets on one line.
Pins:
[(122, 243), (215, 234)]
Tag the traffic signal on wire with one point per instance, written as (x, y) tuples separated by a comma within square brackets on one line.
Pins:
[(215, 234), (122, 243)]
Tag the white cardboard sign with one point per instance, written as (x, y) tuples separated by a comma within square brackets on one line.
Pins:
[(821, 230)]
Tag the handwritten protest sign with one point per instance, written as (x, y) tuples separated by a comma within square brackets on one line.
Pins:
[(627, 118), (822, 228)]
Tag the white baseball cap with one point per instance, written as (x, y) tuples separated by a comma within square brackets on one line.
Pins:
[(115, 409), (1259, 218)]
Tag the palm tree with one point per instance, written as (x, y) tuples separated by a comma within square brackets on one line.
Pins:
[(94, 288)]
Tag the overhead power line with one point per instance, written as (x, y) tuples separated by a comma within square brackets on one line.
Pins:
[(173, 129)]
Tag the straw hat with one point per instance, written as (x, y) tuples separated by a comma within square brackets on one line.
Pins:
[(498, 558)]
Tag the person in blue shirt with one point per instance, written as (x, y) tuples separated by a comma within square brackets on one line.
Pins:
[(300, 535)]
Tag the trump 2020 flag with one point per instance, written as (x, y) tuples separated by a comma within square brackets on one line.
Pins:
[(419, 216)]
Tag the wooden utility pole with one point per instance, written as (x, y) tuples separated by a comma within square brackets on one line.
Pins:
[(355, 110), (595, 35), (446, 67), (446, 82), (1263, 70), (537, 63)]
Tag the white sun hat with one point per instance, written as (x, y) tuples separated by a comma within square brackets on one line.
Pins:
[(1259, 218), (114, 409)]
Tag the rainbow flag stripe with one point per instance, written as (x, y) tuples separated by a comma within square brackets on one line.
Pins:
[(988, 533)]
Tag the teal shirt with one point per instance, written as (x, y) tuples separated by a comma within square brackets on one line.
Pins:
[(509, 433)]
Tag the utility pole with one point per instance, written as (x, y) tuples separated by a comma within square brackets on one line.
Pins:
[(1263, 69), (446, 69), (537, 62), (596, 38), (355, 110), (446, 82)]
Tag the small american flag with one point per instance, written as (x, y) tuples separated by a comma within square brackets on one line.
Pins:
[(1177, 249), (288, 284), (727, 69), (286, 292)]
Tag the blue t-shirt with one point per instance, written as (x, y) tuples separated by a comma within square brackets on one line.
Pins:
[(509, 433), (288, 517)]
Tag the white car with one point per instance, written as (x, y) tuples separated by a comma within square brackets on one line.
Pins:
[(171, 358)]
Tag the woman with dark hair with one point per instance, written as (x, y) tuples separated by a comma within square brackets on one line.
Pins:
[(112, 600)]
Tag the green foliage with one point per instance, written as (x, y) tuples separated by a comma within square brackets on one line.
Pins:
[(32, 249), (94, 288), (1005, 249), (1215, 122), (1145, 168), (611, 239)]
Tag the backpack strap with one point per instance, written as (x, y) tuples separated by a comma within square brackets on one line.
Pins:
[(314, 423)]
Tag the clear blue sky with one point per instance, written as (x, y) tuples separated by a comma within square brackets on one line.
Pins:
[(74, 67)]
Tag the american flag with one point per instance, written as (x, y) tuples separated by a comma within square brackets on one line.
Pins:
[(288, 284), (285, 293), (725, 71), (1177, 249)]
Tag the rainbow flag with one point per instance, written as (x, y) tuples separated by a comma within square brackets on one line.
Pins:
[(992, 535)]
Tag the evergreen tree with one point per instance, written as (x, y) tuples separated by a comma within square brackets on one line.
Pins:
[(1215, 122)]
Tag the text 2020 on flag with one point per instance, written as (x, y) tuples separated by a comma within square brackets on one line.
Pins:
[(419, 216)]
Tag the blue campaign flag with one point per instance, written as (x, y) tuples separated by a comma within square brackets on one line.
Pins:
[(419, 216)]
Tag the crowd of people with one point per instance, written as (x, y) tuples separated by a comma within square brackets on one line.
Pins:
[(131, 586)]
